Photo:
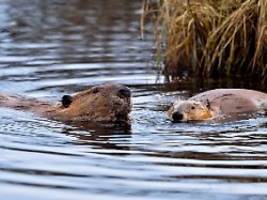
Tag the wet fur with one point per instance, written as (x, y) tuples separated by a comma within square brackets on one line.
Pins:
[(101, 103), (221, 104)]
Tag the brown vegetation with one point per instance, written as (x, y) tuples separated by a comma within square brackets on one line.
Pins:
[(211, 38)]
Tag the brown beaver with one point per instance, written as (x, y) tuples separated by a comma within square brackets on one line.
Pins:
[(103, 103), (219, 104)]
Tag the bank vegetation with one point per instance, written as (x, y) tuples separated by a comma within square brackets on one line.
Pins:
[(210, 38)]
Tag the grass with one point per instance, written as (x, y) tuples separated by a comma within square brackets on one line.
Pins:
[(211, 38)]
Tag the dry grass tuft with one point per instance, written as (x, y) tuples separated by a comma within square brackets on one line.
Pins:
[(212, 38)]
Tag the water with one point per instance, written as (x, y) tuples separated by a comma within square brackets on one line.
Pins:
[(50, 48)]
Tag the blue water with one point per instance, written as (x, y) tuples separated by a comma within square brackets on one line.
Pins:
[(52, 48)]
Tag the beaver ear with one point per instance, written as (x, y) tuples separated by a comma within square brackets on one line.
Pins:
[(66, 100)]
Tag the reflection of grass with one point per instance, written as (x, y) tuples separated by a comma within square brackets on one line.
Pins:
[(212, 37)]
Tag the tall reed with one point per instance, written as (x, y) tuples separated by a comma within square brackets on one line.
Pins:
[(211, 38)]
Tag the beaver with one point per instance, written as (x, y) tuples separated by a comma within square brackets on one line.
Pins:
[(219, 105), (107, 102)]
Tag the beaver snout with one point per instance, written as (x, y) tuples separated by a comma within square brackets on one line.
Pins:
[(177, 117), (124, 92)]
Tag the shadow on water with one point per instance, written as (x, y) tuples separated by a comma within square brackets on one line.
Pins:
[(98, 134), (57, 47)]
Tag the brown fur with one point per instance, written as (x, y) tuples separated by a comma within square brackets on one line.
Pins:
[(220, 104), (102, 103)]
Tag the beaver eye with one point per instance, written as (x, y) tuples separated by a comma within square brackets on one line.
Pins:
[(95, 90), (125, 92), (66, 101)]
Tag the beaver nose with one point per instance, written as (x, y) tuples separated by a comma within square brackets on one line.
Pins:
[(125, 92), (177, 116)]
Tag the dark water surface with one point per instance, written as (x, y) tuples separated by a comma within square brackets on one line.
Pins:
[(50, 48)]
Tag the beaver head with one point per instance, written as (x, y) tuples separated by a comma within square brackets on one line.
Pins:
[(189, 111), (103, 103)]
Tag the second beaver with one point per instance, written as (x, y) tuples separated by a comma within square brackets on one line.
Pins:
[(219, 104), (108, 102)]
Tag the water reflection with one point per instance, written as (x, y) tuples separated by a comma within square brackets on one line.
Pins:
[(73, 31), (99, 135)]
